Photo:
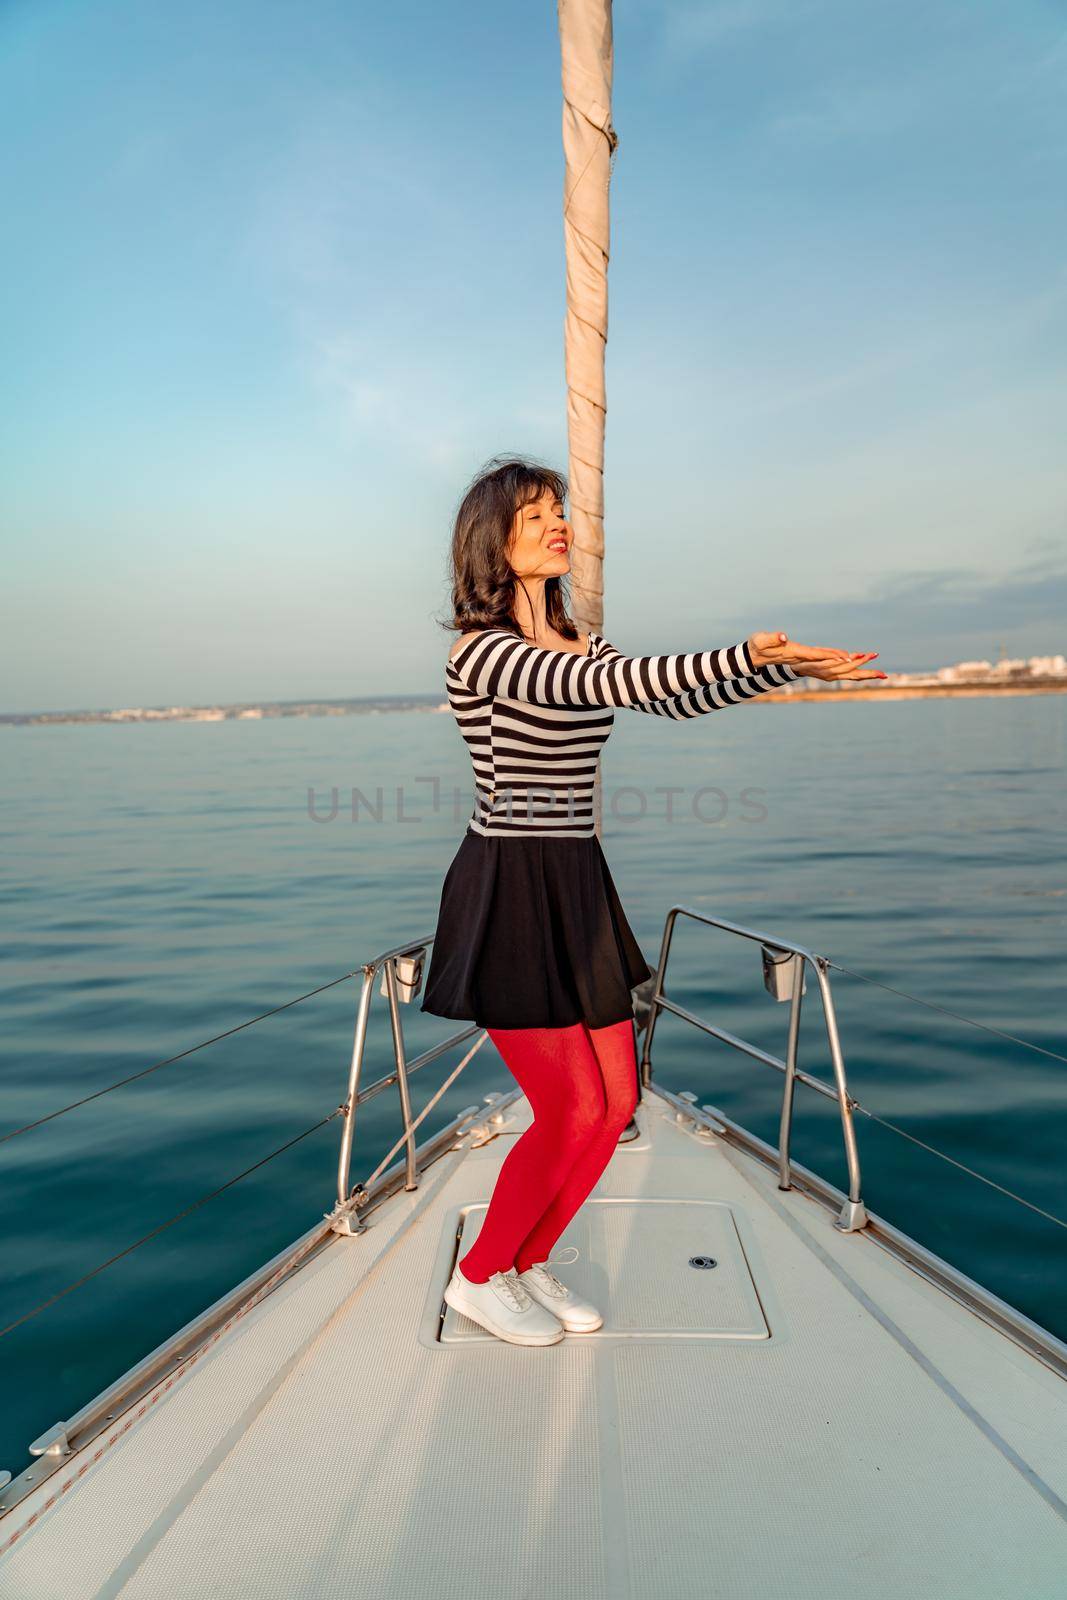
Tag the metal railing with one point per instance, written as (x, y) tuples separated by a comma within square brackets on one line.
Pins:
[(853, 1214), (400, 971), (848, 1210), (389, 964)]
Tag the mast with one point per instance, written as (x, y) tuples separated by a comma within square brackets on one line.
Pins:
[(589, 142)]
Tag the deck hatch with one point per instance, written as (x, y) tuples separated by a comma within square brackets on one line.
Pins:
[(635, 1263)]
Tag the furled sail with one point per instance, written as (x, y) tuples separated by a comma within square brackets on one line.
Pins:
[(589, 142)]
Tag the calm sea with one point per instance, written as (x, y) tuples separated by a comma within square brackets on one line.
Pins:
[(163, 884)]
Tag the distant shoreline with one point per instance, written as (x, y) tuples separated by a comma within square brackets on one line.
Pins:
[(919, 691), (276, 709), (243, 711)]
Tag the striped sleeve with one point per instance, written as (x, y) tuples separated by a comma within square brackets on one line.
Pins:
[(496, 663), (711, 697)]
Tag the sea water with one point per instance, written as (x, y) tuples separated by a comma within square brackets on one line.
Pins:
[(163, 884)]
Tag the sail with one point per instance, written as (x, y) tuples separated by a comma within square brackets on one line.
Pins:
[(589, 142)]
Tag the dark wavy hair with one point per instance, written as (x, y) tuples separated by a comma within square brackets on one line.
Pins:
[(483, 582)]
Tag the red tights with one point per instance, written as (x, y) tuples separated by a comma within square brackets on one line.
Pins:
[(582, 1087)]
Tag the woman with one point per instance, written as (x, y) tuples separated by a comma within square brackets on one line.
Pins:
[(532, 942)]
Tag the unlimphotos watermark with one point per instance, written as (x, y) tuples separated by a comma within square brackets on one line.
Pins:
[(423, 797)]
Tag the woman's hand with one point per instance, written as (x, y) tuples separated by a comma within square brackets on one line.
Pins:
[(777, 649), (835, 671)]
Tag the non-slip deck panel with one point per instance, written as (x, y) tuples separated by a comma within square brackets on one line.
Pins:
[(634, 1260)]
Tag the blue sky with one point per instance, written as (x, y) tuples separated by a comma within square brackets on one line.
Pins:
[(277, 278)]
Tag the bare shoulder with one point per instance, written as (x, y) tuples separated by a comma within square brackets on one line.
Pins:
[(458, 645), (465, 639)]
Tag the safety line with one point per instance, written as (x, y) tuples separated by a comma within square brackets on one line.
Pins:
[(452, 1076), (962, 1165), (163, 1226), (944, 1010), (193, 1048)]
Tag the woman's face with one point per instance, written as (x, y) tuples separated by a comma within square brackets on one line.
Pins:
[(541, 539)]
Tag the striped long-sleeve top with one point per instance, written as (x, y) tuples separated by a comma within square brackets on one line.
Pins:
[(535, 720)]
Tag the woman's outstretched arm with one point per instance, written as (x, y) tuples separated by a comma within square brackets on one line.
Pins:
[(713, 696), (495, 662)]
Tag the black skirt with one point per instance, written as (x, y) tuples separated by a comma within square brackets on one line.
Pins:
[(531, 934)]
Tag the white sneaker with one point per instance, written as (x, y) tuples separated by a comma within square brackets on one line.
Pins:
[(576, 1314), (502, 1306)]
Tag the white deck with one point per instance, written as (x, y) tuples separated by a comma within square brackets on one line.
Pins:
[(808, 1419)]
